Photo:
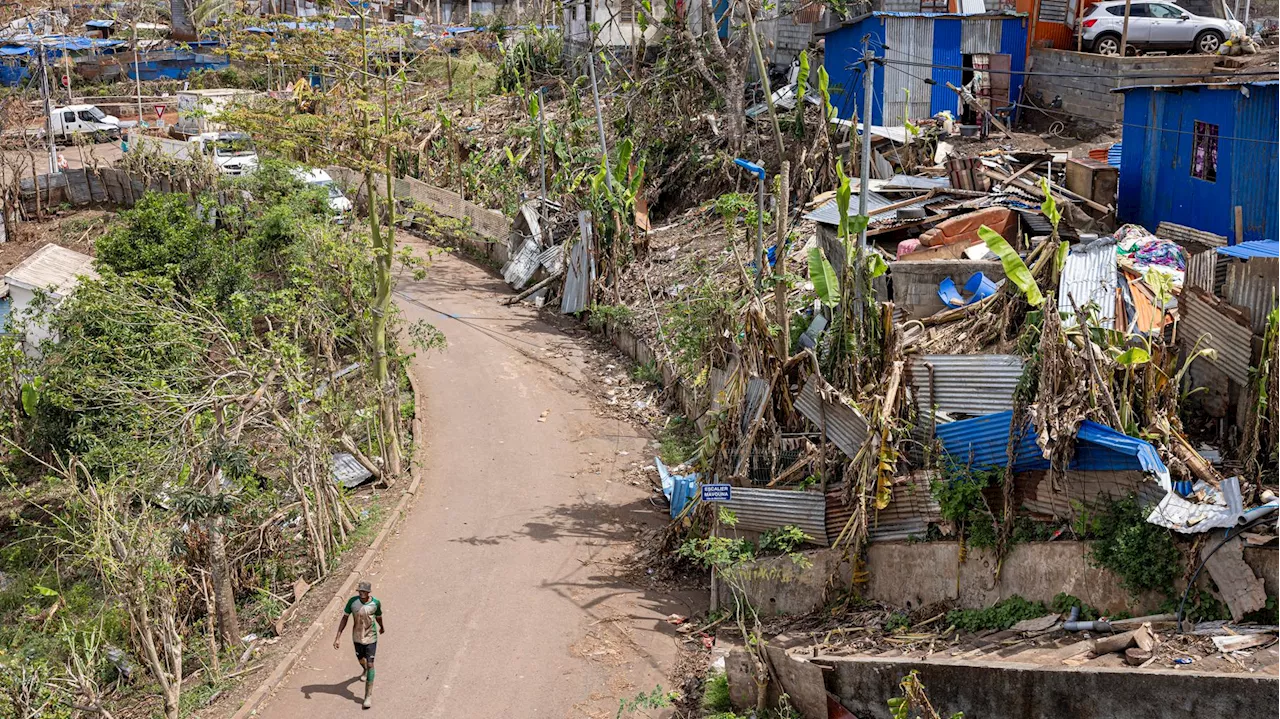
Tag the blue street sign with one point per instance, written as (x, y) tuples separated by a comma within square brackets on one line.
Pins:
[(717, 492)]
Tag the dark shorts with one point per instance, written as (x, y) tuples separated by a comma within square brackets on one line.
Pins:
[(366, 651)]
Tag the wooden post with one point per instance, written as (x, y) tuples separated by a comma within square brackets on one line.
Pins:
[(1124, 31), (1239, 224)]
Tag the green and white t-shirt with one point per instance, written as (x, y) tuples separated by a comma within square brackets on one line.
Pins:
[(363, 629)]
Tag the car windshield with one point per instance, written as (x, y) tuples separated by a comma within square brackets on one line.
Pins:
[(233, 147), (332, 188)]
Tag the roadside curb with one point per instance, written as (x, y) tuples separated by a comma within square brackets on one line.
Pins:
[(255, 701)]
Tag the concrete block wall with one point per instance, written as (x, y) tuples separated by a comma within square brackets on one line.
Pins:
[(1083, 82)]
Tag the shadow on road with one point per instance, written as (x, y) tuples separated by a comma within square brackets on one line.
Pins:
[(341, 689)]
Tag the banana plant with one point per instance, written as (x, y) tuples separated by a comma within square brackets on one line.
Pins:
[(1014, 268)]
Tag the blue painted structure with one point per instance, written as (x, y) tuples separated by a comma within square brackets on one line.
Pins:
[(982, 443), (1156, 184), (935, 52), (1256, 248)]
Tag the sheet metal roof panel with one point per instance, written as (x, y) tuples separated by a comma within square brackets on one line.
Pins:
[(761, 510), (965, 384), (1252, 286), (1203, 322), (52, 267), (1257, 248), (579, 275), (1090, 276), (523, 265), (980, 36), (983, 442), (906, 39), (845, 426)]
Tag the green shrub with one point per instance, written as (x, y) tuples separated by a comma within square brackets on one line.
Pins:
[(1142, 554), (715, 693), (1001, 615)]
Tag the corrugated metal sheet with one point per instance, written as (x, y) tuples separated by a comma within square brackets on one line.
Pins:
[(1251, 286), (1089, 276), (1201, 271), (552, 259), (829, 214), (522, 265), (947, 61), (761, 510), (965, 384), (909, 514), (1114, 153), (979, 36), (1205, 320), (1257, 248), (347, 471), (580, 274), (907, 40), (845, 426), (52, 267), (982, 443), (1184, 235), (755, 394)]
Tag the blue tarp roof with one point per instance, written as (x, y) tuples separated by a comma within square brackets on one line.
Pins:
[(982, 443), (1256, 248), (101, 23), (15, 50)]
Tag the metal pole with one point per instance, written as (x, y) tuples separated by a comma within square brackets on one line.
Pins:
[(595, 98), (542, 164), (1247, 3), (48, 113), (137, 68), (864, 173), (760, 234)]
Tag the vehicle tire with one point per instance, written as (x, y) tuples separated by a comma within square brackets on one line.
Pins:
[(1208, 42), (1107, 44)]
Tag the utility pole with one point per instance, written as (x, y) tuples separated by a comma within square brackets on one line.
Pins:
[(595, 98), (1124, 31), (48, 113), (137, 67)]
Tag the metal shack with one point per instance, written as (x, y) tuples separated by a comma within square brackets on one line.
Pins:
[(1194, 153), (923, 52)]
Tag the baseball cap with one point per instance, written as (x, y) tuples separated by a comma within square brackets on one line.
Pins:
[(364, 587)]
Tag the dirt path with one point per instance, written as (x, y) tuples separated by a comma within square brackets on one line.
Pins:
[(502, 592)]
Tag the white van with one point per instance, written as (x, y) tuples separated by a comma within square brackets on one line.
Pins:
[(72, 120), (338, 202)]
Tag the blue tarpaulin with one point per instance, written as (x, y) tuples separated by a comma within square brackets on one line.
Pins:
[(983, 442), (15, 50), (680, 489)]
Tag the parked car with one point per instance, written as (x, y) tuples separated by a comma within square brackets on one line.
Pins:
[(72, 120), (338, 202), (1155, 26)]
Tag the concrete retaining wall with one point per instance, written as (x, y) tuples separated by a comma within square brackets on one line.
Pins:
[(915, 574), (1082, 82), (1020, 691), (915, 282)]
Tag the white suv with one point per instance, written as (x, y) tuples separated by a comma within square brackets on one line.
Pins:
[(1155, 26)]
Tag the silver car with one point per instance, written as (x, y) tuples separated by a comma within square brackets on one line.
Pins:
[(1156, 26)]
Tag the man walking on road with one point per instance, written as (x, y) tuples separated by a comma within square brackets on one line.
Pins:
[(363, 609)]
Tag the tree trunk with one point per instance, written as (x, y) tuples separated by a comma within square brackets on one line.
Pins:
[(223, 591)]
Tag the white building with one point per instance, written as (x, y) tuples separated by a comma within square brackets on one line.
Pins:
[(52, 269)]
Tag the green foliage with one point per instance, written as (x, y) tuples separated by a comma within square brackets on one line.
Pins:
[(647, 372), (677, 441), (1142, 554), (783, 540), (959, 495), (656, 699), (1014, 268), (603, 315), (897, 621), (538, 52), (734, 205), (715, 693), (1050, 207), (1001, 615), (1063, 602), (696, 320), (825, 282)]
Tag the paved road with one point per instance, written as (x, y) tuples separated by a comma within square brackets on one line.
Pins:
[(501, 591)]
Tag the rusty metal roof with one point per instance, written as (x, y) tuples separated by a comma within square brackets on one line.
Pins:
[(844, 425), (761, 510), (965, 384), (1207, 322)]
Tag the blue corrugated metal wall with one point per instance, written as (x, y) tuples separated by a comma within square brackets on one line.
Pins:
[(1155, 172), (946, 52), (844, 48)]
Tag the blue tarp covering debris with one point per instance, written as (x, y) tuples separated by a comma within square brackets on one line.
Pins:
[(680, 489), (15, 50), (982, 443)]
